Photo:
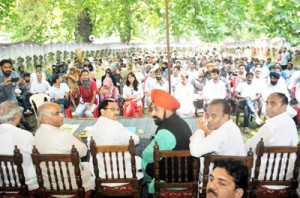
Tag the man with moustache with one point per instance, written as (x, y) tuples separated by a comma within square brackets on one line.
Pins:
[(248, 95), (172, 133), (225, 137), (7, 86), (108, 131), (160, 82), (228, 179)]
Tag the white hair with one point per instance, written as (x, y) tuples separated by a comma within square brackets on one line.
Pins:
[(45, 109), (8, 110)]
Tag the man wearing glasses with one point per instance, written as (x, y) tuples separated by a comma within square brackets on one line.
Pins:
[(109, 131)]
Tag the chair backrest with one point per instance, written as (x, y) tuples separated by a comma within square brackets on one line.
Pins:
[(37, 100), (114, 162), (278, 160), (209, 159), (57, 170), (177, 168), (12, 177)]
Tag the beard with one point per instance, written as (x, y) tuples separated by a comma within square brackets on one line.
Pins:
[(158, 78), (273, 83), (157, 120)]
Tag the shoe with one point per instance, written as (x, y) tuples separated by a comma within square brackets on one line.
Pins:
[(246, 130), (259, 122)]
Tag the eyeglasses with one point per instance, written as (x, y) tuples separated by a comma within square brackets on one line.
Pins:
[(113, 109)]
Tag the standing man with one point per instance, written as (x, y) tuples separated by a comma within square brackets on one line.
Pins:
[(173, 132), (50, 139)]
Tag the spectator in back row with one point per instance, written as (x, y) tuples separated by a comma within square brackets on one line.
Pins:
[(88, 101), (33, 75), (59, 93), (39, 85)]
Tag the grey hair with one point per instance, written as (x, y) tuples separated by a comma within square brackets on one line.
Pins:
[(45, 109), (8, 110)]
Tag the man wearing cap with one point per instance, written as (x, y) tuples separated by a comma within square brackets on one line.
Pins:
[(172, 133)]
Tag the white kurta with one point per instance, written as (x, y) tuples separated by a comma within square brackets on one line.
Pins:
[(11, 136), (58, 93), (184, 95), (51, 140), (110, 132), (226, 140), (277, 131), (37, 87), (213, 90)]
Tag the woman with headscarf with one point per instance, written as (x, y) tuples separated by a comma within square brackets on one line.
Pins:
[(88, 100), (132, 94), (49, 74), (108, 91), (72, 78)]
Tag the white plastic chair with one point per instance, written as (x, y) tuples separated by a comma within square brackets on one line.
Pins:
[(36, 101)]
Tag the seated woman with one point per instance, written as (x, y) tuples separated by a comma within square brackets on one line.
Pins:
[(132, 94), (108, 91), (88, 101), (72, 78)]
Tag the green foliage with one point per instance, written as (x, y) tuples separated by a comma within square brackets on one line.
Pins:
[(212, 21)]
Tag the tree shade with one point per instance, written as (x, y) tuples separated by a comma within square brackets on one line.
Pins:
[(212, 21)]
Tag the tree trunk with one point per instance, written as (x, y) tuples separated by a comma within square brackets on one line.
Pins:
[(85, 27)]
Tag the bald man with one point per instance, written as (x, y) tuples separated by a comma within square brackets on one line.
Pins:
[(50, 139)]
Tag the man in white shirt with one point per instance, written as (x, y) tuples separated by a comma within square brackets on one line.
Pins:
[(160, 82), (225, 137), (50, 139), (192, 71), (33, 75), (108, 131), (149, 84), (11, 136), (214, 88), (39, 85), (184, 94), (279, 129), (59, 93), (248, 95), (272, 87)]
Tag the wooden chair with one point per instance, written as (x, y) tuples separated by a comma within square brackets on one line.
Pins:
[(108, 152), (12, 177), (275, 173), (178, 169), (60, 165), (246, 160)]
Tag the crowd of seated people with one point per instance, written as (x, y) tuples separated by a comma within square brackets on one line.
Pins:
[(209, 75)]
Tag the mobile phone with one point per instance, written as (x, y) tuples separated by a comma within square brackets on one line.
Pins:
[(14, 80)]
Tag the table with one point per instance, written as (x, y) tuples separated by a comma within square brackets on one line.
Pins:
[(145, 124)]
